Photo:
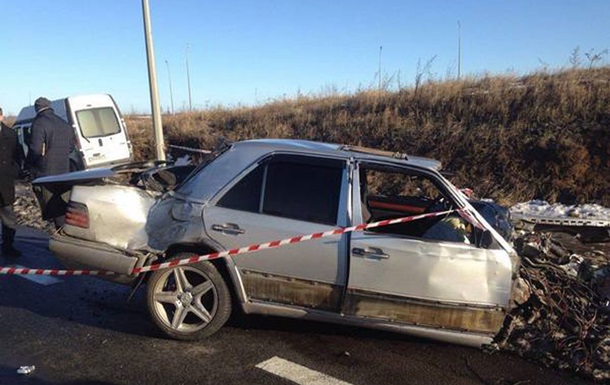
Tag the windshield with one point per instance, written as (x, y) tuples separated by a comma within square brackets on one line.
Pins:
[(97, 122), (221, 149)]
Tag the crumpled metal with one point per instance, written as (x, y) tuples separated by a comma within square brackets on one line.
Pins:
[(565, 322), (601, 283)]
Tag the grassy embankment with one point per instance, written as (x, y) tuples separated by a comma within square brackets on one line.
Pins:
[(545, 135)]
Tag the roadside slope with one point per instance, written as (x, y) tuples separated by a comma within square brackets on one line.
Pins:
[(544, 135)]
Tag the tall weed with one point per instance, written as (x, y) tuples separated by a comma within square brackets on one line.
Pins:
[(544, 135)]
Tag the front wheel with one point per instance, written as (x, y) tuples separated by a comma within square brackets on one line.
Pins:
[(188, 302)]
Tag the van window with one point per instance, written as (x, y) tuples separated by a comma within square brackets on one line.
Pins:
[(98, 122)]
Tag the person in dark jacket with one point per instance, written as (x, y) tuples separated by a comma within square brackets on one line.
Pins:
[(50, 143), (10, 157)]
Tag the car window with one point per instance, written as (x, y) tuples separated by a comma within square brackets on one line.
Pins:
[(210, 175), (246, 194), (389, 193), (296, 188), (96, 122), (401, 186), (301, 191)]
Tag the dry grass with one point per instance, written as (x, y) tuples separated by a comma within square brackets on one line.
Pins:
[(545, 135)]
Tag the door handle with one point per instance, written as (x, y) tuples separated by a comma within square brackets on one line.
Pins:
[(229, 228), (370, 252)]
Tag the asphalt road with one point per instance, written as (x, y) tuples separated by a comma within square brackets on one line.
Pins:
[(82, 330)]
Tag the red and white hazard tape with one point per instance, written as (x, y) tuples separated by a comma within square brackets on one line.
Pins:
[(208, 257), (29, 271)]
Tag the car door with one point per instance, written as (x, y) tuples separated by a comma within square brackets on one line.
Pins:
[(430, 272), (282, 197)]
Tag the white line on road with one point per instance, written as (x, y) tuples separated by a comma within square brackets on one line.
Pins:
[(297, 373), (44, 280)]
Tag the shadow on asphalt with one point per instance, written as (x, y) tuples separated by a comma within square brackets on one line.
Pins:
[(304, 327), (82, 299), (94, 302)]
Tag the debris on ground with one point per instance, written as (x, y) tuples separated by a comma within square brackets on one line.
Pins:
[(565, 323), (25, 370), (27, 210)]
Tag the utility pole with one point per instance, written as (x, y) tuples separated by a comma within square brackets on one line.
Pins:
[(459, 49), (171, 92), (188, 77), (152, 81), (379, 72)]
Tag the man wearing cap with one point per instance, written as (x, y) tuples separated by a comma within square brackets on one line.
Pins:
[(10, 156), (51, 141)]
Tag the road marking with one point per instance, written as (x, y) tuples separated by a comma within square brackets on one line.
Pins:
[(297, 373), (44, 280)]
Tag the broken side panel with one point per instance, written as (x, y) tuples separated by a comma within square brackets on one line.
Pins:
[(440, 284)]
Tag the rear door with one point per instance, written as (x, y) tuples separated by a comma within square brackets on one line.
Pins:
[(283, 197), (99, 129), (428, 272)]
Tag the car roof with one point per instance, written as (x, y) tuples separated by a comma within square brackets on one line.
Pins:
[(338, 150), (251, 150)]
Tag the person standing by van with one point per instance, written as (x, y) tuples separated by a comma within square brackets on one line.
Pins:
[(10, 157), (50, 143)]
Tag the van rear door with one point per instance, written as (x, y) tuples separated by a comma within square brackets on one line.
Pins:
[(100, 130)]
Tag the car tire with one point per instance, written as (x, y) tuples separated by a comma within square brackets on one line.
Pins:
[(188, 302)]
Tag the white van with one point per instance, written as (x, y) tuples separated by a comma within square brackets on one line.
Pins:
[(101, 135)]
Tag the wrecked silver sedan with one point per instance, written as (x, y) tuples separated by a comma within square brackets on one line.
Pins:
[(449, 277)]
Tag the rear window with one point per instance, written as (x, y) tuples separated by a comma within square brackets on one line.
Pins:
[(303, 192), (294, 187), (96, 122)]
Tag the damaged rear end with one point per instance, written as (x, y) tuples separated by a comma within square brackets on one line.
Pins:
[(106, 215)]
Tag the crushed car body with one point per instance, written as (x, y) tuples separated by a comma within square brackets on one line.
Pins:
[(450, 277)]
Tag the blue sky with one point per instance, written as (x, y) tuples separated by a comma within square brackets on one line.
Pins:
[(248, 52)]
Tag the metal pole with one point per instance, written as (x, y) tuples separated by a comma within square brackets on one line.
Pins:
[(459, 50), (188, 77), (380, 48), (152, 80), (171, 92)]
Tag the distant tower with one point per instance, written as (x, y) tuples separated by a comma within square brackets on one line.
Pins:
[(459, 50), (171, 92), (379, 72), (188, 77)]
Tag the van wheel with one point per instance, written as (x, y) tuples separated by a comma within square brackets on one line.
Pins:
[(188, 302)]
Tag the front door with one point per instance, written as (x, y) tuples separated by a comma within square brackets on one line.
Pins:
[(429, 272)]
